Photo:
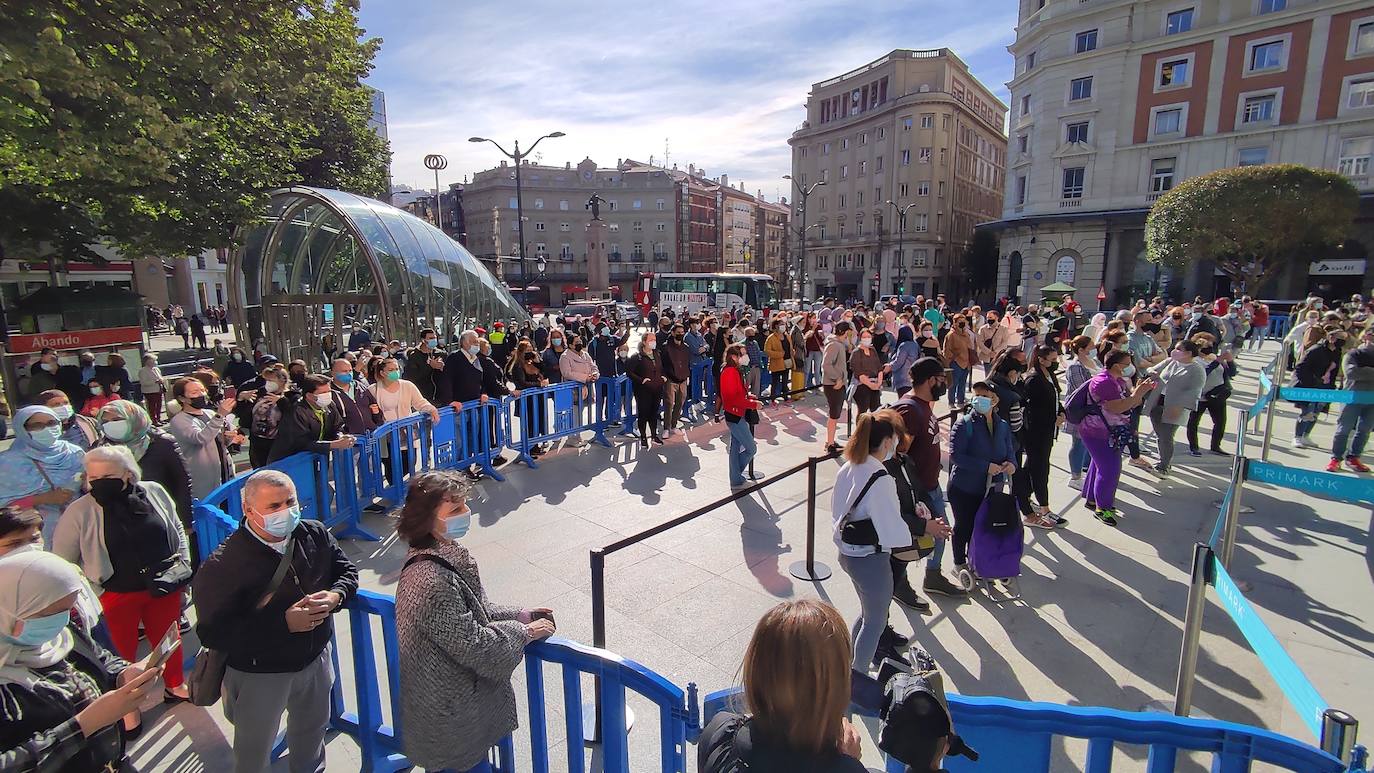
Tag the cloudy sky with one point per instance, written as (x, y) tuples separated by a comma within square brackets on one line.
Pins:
[(723, 83)]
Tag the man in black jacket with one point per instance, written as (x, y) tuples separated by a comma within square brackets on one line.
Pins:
[(424, 366), (603, 349), (677, 371), (359, 408), (310, 421), (275, 636), (472, 376)]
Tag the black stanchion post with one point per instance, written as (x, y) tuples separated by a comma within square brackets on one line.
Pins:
[(1339, 731), (1192, 630), (809, 569), (598, 640)]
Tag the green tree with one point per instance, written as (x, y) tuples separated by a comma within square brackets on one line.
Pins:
[(980, 261), (1252, 221), (158, 126)]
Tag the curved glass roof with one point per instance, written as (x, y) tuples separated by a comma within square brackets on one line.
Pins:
[(322, 259)]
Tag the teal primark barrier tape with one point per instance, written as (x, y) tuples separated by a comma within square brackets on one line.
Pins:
[(1215, 540), (1326, 484), (1306, 395), (1260, 404), (1301, 694)]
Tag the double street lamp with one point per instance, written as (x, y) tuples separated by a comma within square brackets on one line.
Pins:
[(803, 191), (519, 158), (901, 234)]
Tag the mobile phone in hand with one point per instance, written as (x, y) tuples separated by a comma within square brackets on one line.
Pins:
[(231, 393), (542, 615), (165, 648)]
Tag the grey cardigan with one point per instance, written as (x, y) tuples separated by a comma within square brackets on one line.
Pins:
[(80, 535), (835, 363), (1180, 389), (200, 441), (457, 654)]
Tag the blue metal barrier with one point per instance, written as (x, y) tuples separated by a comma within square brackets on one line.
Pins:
[(481, 430), (557, 411), (1279, 325), (701, 388), (401, 447), (348, 467), (619, 396)]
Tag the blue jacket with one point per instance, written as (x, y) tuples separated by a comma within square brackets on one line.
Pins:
[(973, 447), (908, 352), (696, 346)]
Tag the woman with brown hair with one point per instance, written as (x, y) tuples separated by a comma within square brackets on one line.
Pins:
[(458, 650), (796, 690)]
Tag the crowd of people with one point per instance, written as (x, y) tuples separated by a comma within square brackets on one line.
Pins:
[(97, 545)]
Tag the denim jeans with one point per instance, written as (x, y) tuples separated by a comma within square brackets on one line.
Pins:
[(1360, 419), (939, 509), (1308, 418), (1078, 457), (742, 449), (959, 383), (813, 368)]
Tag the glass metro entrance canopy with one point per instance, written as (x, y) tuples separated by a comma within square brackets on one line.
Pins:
[(320, 260)]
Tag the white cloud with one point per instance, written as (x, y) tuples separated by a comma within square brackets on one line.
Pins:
[(723, 82)]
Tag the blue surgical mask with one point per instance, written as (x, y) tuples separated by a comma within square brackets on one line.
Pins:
[(282, 522), (46, 437), (982, 404), (474, 349), (456, 526), (117, 430), (431, 343), (41, 630), (344, 378), (605, 331), (64, 412), (1128, 371)]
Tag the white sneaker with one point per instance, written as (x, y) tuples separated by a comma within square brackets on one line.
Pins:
[(1076, 484), (1302, 442)]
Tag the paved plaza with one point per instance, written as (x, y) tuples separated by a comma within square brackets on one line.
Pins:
[(1100, 622)]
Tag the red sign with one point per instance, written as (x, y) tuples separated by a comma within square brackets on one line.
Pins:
[(76, 339), (1101, 293)]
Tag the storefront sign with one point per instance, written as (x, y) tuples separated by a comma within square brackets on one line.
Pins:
[(1066, 270), (75, 339), (1350, 267)]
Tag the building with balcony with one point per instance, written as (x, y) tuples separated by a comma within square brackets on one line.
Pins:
[(913, 128), (1116, 101), (771, 227)]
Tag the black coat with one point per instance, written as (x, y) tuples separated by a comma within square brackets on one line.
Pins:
[(676, 360), (109, 376), (39, 732), (299, 429), (239, 373), (470, 380), (645, 366), (1041, 407), (426, 379), (234, 578), (163, 464)]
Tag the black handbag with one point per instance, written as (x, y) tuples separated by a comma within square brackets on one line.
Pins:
[(861, 533), (170, 577)]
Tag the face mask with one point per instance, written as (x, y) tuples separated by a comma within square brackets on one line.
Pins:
[(1128, 371), (605, 331), (744, 361), (97, 391), (46, 437), (107, 491), (393, 375), (271, 386), (622, 354), (282, 522), (865, 341), (557, 343), (651, 345), (982, 404), (238, 357), (937, 391), (431, 343), (41, 630), (344, 378), (322, 401), (200, 402), (50, 367), (474, 349), (577, 347), (456, 526), (64, 412), (117, 431), (1197, 315)]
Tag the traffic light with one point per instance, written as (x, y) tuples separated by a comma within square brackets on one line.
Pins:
[(901, 289)]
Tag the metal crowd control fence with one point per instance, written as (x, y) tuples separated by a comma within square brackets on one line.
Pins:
[(1336, 730)]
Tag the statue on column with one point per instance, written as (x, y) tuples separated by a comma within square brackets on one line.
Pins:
[(594, 204)]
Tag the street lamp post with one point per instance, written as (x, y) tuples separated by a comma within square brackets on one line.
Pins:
[(901, 235), (804, 191), (436, 162), (519, 159)]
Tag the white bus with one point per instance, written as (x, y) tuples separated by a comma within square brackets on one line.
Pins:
[(707, 291)]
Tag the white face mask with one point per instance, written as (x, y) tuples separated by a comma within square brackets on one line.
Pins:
[(117, 430), (650, 345), (744, 361), (324, 400), (271, 386)]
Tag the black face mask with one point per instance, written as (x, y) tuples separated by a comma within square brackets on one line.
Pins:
[(108, 491), (937, 391), (201, 402), (1152, 328), (577, 347)]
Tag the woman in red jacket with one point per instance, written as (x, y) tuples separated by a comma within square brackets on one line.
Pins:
[(736, 401)]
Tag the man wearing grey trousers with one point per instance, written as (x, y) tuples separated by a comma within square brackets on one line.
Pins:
[(264, 599)]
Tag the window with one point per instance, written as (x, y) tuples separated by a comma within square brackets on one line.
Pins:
[(1364, 37), (922, 189), (844, 171), (614, 227), (922, 221), (1020, 189), (927, 120), (637, 252), (538, 203), (906, 124), (514, 204), (859, 199), (1270, 6), (612, 205), (825, 149), (1174, 73), (918, 258), (1025, 104), (639, 225), (1169, 121), (563, 205), (1080, 88), (863, 168), (1073, 183), (1361, 93), (1162, 174), (565, 251), (844, 144), (538, 226), (661, 227), (906, 158), (1030, 60), (1023, 143), (1178, 21), (942, 189), (541, 248), (844, 202), (660, 205), (882, 132), (877, 194), (925, 155), (1355, 155), (1085, 41), (1252, 156), (1266, 56), (902, 190), (637, 204), (564, 227), (1258, 109), (1077, 132), (878, 164)]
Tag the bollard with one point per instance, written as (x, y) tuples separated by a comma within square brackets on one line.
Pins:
[(1192, 630), (809, 569), (1232, 515), (1279, 370), (1339, 731)]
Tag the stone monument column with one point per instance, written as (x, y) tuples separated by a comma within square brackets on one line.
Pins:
[(598, 266)]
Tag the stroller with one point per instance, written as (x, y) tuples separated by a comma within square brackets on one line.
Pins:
[(996, 546)]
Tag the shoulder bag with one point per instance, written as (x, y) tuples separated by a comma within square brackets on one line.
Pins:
[(206, 681), (861, 533)]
